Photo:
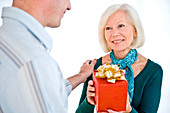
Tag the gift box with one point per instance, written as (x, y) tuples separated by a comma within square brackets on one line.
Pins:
[(110, 95)]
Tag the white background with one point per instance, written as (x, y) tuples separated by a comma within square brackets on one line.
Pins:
[(76, 40)]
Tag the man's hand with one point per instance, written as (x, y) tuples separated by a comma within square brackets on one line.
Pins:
[(85, 71)]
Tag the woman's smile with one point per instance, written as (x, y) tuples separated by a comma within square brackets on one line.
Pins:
[(118, 41)]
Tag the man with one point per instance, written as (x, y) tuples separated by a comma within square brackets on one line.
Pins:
[(30, 80)]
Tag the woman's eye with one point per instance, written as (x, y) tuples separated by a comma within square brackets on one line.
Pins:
[(121, 25), (108, 28)]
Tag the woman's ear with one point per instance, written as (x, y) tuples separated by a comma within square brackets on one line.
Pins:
[(135, 32)]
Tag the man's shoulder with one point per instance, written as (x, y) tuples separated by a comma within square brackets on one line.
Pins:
[(20, 44)]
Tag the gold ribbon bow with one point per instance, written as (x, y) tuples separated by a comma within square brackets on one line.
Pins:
[(111, 72)]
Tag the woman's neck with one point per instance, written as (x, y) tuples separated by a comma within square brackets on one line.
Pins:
[(121, 54)]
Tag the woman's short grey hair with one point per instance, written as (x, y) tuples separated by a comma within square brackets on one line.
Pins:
[(133, 19)]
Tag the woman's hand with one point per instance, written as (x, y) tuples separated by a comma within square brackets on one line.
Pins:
[(128, 106), (111, 111), (90, 93)]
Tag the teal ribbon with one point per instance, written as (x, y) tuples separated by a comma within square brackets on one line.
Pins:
[(130, 58)]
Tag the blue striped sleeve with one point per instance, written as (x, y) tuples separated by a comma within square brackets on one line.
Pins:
[(68, 87)]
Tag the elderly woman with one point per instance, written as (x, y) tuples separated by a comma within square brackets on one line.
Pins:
[(120, 34)]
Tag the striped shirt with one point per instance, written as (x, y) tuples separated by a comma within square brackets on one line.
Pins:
[(30, 79)]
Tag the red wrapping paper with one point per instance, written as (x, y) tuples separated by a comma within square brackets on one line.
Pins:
[(110, 95)]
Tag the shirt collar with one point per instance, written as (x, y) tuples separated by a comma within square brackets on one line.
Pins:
[(31, 23)]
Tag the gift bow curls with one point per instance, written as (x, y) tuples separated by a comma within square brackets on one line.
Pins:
[(111, 72)]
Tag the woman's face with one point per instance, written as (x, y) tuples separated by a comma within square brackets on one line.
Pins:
[(119, 32)]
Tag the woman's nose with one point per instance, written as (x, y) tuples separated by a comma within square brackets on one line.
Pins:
[(114, 32)]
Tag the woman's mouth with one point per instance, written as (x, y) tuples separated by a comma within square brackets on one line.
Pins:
[(117, 41)]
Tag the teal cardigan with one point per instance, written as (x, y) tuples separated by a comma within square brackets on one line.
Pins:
[(147, 90)]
